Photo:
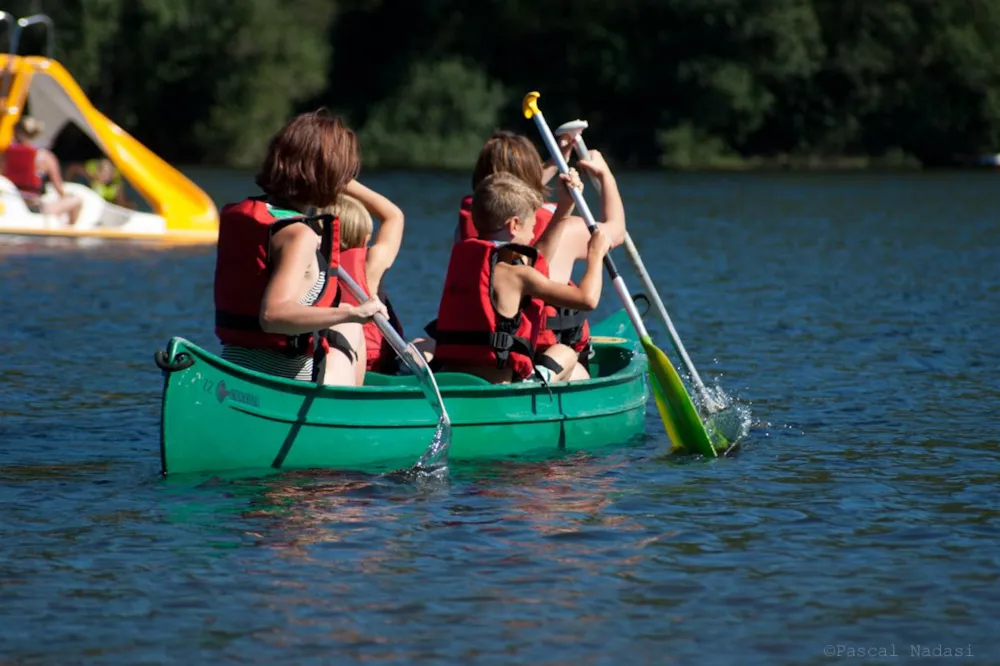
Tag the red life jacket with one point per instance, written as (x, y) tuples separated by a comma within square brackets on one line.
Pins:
[(469, 330), (466, 229), (562, 325), (243, 268), (21, 170), (381, 357)]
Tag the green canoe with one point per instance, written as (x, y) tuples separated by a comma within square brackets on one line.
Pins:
[(219, 417)]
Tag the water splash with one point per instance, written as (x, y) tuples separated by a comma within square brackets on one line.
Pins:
[(729, 422), (432, 467), (436, 455)]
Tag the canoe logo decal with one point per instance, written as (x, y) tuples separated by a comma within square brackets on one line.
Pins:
[(221, 392)]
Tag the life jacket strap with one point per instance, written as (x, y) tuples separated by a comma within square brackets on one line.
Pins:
[(324, 230), (567, 325), (565, 319), (502, 343)]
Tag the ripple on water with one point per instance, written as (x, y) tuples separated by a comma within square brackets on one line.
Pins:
[(861, 509)]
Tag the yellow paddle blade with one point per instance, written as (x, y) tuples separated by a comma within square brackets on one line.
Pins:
[(664, 409), (680, 418)]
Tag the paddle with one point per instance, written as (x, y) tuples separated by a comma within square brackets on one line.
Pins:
[(575, 129), (680, 419), (417, 364)]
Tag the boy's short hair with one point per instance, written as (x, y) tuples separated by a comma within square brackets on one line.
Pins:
[(356, 222), (500, 197)]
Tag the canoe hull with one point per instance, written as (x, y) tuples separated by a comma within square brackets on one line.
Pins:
[(218, 417)]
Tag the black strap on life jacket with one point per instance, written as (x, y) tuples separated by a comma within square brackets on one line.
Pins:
[(550, 363), (393, 317), (520, 252), (567, 324), (321, 224), (391, 364), (565, 319), (502, 342), (336, 340)]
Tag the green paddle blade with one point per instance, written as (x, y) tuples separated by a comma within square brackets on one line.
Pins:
[(665, 415), (679, 415)]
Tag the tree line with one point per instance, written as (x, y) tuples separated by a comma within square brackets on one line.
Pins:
[(671, 83)]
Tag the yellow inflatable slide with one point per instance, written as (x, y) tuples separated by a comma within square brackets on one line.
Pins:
[(181, 211)]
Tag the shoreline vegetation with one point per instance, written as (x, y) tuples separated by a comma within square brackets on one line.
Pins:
[(678, 84)]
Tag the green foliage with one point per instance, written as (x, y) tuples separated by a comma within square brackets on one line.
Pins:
[(680, 83), (209, 81), (438, 118), (686, 147)]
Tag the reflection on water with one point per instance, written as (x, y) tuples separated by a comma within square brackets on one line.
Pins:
[(855, 315)]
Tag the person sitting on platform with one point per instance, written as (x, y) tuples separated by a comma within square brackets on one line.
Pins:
[(103, 177), (30, 168)]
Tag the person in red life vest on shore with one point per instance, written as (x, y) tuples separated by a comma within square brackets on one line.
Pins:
[(508, 152), (30, 168), (369, 264), (497, 286), (276, 296)]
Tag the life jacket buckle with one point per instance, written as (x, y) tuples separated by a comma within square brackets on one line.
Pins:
[(501, 341)]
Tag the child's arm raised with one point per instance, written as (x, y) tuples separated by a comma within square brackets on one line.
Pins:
[(566, 240), (388, 240), (612, 209), (584, 296), (564, 202)]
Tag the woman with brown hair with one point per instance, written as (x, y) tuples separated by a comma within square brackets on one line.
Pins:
[(276, 297)]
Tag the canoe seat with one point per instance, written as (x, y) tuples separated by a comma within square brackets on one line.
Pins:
[(443, 379)]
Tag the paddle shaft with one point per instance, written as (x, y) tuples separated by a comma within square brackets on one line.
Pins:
[(640, 269), (398, 344), (588, 217)]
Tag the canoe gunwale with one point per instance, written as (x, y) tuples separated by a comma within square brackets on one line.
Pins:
[(634, 365)]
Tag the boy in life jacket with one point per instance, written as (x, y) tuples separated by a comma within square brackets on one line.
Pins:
[(368, 264), (497, 286), (508, 152)]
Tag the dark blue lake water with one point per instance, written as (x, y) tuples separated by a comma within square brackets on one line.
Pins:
[(855, 315)]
